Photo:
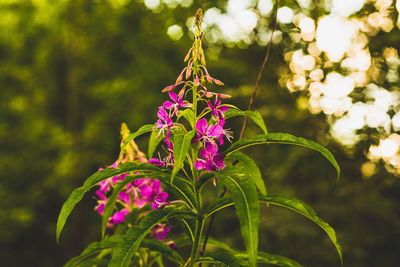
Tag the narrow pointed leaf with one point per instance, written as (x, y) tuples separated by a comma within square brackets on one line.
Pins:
[(248, 164), (263, 257), (276, 260), (181, 148), (93, 249), (155, 139), (284, 138), (226, 257), (92, 181), (305, 210), (187, 114), (163, 249), (245, 196), (255, 116), (133, 238), (289, 203)]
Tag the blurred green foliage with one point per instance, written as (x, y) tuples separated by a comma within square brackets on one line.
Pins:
[(72, 71)]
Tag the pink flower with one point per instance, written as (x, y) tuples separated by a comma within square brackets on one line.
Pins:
[(160, 200), (207, 133), (118, 217), (160, 231), (176, 103), (164, 121), (210, 159), (217, 110)]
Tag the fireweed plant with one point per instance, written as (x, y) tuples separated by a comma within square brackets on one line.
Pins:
[(152, 208)]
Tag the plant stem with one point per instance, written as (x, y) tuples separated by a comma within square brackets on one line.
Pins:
[(199, 230)]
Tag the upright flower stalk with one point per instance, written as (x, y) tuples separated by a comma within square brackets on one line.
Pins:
[(137, 197)]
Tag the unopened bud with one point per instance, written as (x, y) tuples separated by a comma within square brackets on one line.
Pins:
[(168, 88), (217, 82)]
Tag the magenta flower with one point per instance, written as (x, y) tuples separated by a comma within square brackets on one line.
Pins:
[(157, 162), (160, 231), (217, 110), (207, 133), (164, 121), (227, 133), (210, 159), (160, 200), (101, 202), (176, 103), (118, 217)]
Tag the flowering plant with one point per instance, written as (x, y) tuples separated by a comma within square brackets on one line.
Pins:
[(141, 200)]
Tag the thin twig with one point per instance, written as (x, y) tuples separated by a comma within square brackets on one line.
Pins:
[(251, 102), (261, 71)]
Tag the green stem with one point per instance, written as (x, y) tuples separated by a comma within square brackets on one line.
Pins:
[(199, 231)]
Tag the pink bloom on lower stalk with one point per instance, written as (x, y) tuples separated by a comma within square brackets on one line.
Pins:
[(118, 217), (157, 162), (101, 202), (106, 185), (160, 200), (164, 121), (176, 103), (207, 133), (160, 231), (227, 133), (210, 159), (217, 110), (125, 197)]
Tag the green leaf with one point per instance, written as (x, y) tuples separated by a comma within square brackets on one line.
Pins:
[(284, 138), (268, 258), (181, 148), (187, 114), (155, 139), (142, 130), (305, 210), (163, 249), (224, 256), (132, 239), (210, 260), (181, 189), (289, 203), (255, 116), (245, 196), (94, 248), (263, 257), (90, 182), (248, 164)]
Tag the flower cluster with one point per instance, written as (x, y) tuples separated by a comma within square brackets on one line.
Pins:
[(210, 133), (136, 194)]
